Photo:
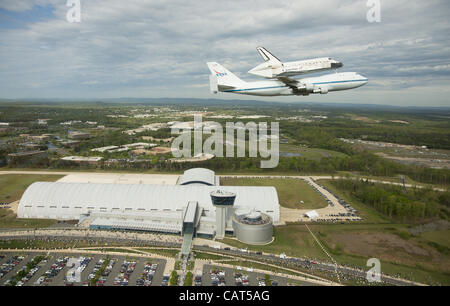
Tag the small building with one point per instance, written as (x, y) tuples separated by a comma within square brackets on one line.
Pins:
[(152, 151), (139, 145), (78, 135), (163, 140), (70, 143), (312, 214), (253, 227), (103, 149), (82, 159), (39, 137), (43, 121), (31, 146), (196, 158), (23, 156)]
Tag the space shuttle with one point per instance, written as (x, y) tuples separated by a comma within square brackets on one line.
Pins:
[(274, 68)]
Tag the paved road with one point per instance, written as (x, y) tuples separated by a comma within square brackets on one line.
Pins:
[(157, 278), (43, 266), (252, 277), (140, 263), (90, 267), (59, 279), (325, 177), (115, 270), (273, 259), (314, 177), (304, 264)]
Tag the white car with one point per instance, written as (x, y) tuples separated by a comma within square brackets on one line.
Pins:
[(39, 280)]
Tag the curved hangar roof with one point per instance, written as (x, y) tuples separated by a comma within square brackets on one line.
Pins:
[(198, 176), (70, 200)]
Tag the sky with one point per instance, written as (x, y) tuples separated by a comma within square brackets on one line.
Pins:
[(159, 48)]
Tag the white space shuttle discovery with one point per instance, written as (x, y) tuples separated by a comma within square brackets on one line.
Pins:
[(222, 80), (273, 67)]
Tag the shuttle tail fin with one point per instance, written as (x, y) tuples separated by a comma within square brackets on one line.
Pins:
[(267, 56), (222, 79)]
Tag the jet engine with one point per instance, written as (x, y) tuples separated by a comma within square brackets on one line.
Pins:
[(309, 87), (303, 89), (322, 89)]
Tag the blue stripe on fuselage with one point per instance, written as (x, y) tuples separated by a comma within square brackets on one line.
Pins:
[(230, 90), (319, 83), (346, 81)]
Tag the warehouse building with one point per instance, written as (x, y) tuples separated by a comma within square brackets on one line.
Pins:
[(184, 208)]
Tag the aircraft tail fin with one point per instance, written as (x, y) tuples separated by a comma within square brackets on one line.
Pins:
[(222, 79)]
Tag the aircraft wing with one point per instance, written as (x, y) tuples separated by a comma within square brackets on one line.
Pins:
[(288, 81), (298, 87)]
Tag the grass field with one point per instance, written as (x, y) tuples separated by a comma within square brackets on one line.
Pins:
[(117, 250), (203, 255), (440, 237), (12, 186), (39, 244), (8, 219), (423, 258), (354, 244), (290, 191), (163, 252), (417, 258)]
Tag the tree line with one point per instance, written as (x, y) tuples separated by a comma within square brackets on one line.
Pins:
[(412, 204)]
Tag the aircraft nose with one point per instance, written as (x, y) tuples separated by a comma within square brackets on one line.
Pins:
[(363, 79), (336, 65)]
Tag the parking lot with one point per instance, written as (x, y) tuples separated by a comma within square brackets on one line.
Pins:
[(52, 270), (222, 276)]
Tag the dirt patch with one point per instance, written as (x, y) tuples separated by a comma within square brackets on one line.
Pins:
[(14, 206), (440, 225), (384, 246), (390, 248), (429, 162), (399, 121), (365, 119)]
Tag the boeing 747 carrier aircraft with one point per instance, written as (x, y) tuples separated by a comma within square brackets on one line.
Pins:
[(222, 80)]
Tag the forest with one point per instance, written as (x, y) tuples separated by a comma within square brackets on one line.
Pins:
[(429, 128), (411, 204)]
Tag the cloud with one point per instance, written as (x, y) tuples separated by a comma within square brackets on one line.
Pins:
[(16, 6), (159, 48)]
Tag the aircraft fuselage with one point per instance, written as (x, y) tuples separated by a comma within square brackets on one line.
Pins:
[(322, 84)]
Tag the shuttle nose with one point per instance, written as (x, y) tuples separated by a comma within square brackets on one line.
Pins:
[(336, 65)]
